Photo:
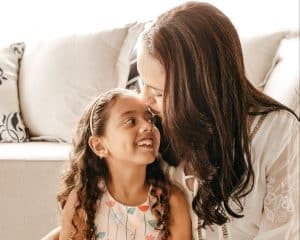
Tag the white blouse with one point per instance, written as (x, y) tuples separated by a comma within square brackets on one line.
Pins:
[(271, 209)]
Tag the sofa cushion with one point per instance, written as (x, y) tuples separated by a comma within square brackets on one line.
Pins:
[(12, 128), (283, 82), (259, 52), (60, 76)]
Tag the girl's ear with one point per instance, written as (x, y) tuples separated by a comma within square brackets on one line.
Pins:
[(96, 144)]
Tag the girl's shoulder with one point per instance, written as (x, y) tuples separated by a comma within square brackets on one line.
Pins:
[(180, 219), (72, 204), (177, 197), (72, 200)]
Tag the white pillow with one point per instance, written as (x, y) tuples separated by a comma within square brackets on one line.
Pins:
[(60, 76), (259, 53), (283, 82), (12, 128)]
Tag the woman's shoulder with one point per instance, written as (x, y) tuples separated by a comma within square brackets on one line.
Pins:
[(277, 135), (276, 123), (283, 115)]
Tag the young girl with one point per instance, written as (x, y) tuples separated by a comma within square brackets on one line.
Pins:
[(114, 188)]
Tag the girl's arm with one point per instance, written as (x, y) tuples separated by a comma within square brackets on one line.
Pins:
[(68, 230), (180, 221), (53, 235)]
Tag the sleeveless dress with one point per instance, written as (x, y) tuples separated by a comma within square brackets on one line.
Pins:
[(116, 221)]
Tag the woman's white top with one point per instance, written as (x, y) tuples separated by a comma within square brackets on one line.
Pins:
[(271, 209)]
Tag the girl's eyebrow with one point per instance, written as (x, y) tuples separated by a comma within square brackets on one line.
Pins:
[(134, 112), (128, 113)]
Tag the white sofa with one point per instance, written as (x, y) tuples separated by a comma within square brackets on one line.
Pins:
[(58, 76)]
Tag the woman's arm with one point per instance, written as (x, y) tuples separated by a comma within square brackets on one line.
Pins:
[(280, 214), (180, 221)]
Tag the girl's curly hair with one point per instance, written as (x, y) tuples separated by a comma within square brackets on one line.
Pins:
[(86, 170)]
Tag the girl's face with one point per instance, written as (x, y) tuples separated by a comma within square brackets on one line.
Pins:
[(153, 76), (130, 135)]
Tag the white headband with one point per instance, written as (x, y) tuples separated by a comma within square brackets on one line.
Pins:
[(91, 116)]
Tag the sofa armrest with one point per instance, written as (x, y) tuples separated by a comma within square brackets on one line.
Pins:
[(53, 234), (29, 182)]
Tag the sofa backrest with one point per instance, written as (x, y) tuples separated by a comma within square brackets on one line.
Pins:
[(58, 77)]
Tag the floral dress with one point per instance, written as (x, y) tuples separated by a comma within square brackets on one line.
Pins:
[(116, 221)]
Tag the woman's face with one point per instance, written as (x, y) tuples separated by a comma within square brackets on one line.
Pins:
[(153, 75)]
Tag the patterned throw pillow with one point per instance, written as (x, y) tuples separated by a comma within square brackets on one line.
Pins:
[(12, 128)]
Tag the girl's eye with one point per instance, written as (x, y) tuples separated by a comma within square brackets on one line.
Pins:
[(130, 121)]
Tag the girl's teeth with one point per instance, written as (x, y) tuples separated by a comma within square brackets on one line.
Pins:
[(147, 142)]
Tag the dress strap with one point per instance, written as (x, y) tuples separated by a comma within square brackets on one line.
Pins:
[(186, 177), (225, 232), (201, 231)]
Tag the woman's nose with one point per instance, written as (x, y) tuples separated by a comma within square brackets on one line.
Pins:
[(147, 96), (146, 93)]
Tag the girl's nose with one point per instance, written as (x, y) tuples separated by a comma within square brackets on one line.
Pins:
[(147, 126)]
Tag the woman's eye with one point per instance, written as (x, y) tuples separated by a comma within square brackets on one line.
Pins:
[(156, 93), (151, 120)]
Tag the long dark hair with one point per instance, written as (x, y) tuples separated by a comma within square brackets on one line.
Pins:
[(86, 170), (208, 103)]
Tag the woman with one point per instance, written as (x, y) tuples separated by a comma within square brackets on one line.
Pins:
[(236, 149)]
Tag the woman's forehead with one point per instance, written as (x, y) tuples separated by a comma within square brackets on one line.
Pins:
[(150, 69)]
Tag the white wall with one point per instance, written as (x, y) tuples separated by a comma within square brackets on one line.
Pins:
[(21, 20)]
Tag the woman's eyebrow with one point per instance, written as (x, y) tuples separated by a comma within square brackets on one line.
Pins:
[(150, 86)]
